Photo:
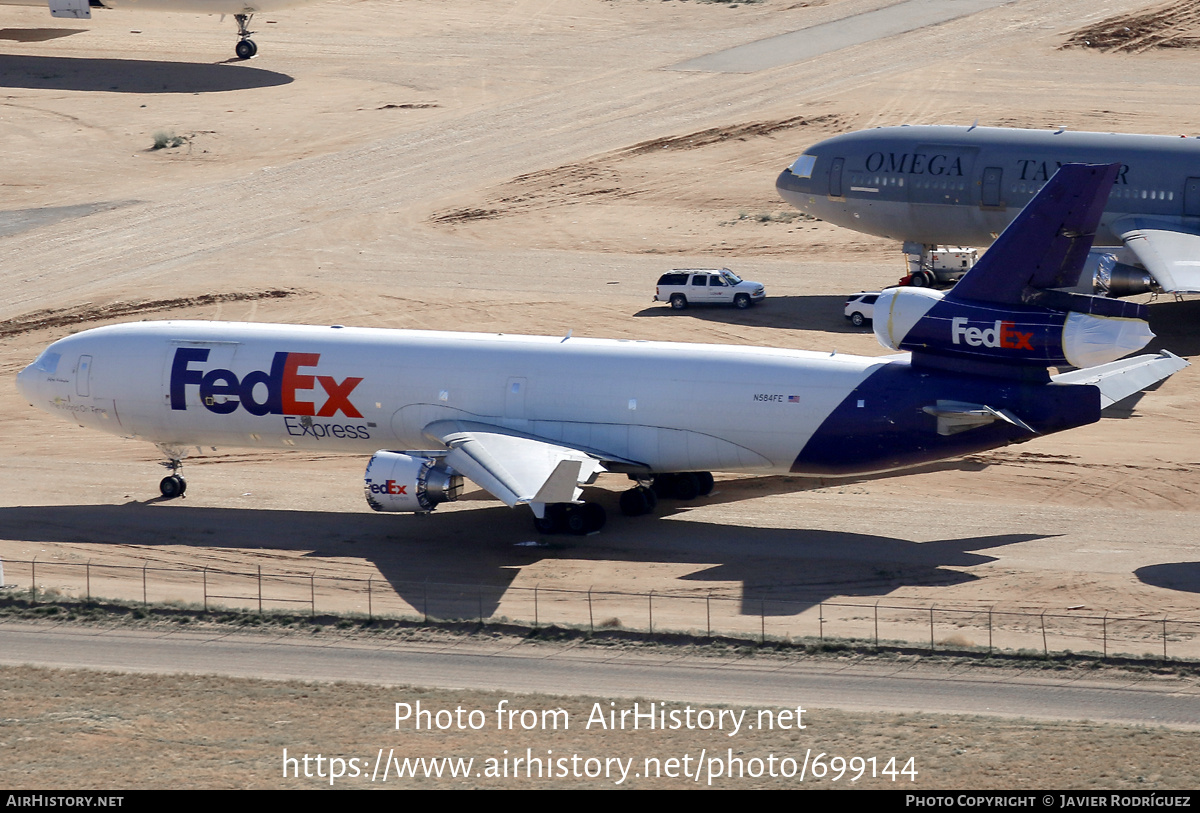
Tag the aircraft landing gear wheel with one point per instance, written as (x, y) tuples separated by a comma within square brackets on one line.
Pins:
[(245, 49), (172, 486), (687, 486), (705, 480), (638, 501), (920, 280), (663, 486), (553, 522), (678, 302), (741, 301)]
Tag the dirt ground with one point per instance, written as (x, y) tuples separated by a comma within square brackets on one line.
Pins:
[(533, 166)]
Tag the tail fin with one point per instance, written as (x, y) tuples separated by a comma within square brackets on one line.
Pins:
[(1048, 242), (1004, 317)]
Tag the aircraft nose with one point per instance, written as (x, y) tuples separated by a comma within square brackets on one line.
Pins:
[(25, 384), (792, 189)]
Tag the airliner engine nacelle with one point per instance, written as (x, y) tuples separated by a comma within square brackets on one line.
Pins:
[(400, 482), (928, 323), (1108, 276)]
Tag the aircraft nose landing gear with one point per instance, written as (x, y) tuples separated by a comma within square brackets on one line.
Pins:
[(173, 485), (245, 47)]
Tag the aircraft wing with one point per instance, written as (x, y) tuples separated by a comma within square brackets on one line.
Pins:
[(517, 468), (1170, 253), (1120, 379)]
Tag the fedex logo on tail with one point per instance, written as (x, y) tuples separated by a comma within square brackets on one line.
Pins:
[(286, 389), (1001, 334)]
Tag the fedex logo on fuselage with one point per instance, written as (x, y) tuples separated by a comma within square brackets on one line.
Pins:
[(283, 390), (1001, 334)]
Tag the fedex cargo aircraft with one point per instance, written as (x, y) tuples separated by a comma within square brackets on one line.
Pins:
[(941, 185), (534, 419)]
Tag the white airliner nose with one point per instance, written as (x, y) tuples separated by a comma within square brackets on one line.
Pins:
[(25, 383)]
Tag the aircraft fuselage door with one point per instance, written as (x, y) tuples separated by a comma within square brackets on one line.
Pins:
[(75, 9), (514, 398), (83, 377), (990, 194), (1191, 197), (835, 177)]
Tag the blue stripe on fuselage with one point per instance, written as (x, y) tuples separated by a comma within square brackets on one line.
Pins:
[(881, 425)]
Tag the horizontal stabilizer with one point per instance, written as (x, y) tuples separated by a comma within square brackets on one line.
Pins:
[(1118, 380), (957, 416), (1171, 255)]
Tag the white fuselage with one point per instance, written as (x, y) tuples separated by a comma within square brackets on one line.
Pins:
[(669, 407)]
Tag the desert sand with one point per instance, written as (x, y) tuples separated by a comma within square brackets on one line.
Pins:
[(533, 166)]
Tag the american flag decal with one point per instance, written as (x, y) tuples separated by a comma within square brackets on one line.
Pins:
[(793, 399)]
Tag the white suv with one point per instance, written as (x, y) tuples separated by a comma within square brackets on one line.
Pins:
[(860, 308), (699, 286)]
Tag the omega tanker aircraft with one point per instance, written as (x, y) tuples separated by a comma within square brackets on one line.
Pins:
[(534, 419), (961, 186), (242, 10)]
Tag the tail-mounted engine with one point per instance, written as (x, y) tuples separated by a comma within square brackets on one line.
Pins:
[(932, 325), (400, 482)]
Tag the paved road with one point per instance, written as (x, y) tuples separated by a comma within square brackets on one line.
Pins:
[(858, 29), (526, 667)]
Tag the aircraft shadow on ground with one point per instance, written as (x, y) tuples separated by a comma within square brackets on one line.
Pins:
[(37, 34), (131, 76), (825, 313), (1182, 576), (460, 564)]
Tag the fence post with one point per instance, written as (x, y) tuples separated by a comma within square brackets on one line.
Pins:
[(312, 594), (479, 594), (370, 609), (535, 607), (708, 612), (1106, 633), (591, 617), (205, 588), (425, 600), (762, 620), (877, 625), (87, 571), (650, 604), (1164, 637), (931, 646), (821, 622), (1045, 647), (260, 589), (33, 581), (990, 628), (144, 566)]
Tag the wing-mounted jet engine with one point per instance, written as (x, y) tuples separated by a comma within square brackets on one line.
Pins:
[(1005, 317)]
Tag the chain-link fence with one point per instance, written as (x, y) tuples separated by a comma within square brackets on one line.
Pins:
[(928, 627)]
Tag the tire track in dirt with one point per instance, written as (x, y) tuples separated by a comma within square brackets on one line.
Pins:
[(1174, 25), (87, 312)]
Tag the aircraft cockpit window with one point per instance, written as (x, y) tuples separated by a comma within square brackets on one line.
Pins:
[(803, 166), (48, 362)]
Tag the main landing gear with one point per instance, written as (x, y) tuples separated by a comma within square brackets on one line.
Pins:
[(245, 47), (687, 485), (563, 518), (640, 500)]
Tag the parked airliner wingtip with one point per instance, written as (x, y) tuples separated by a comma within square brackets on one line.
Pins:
[(534, 420)]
